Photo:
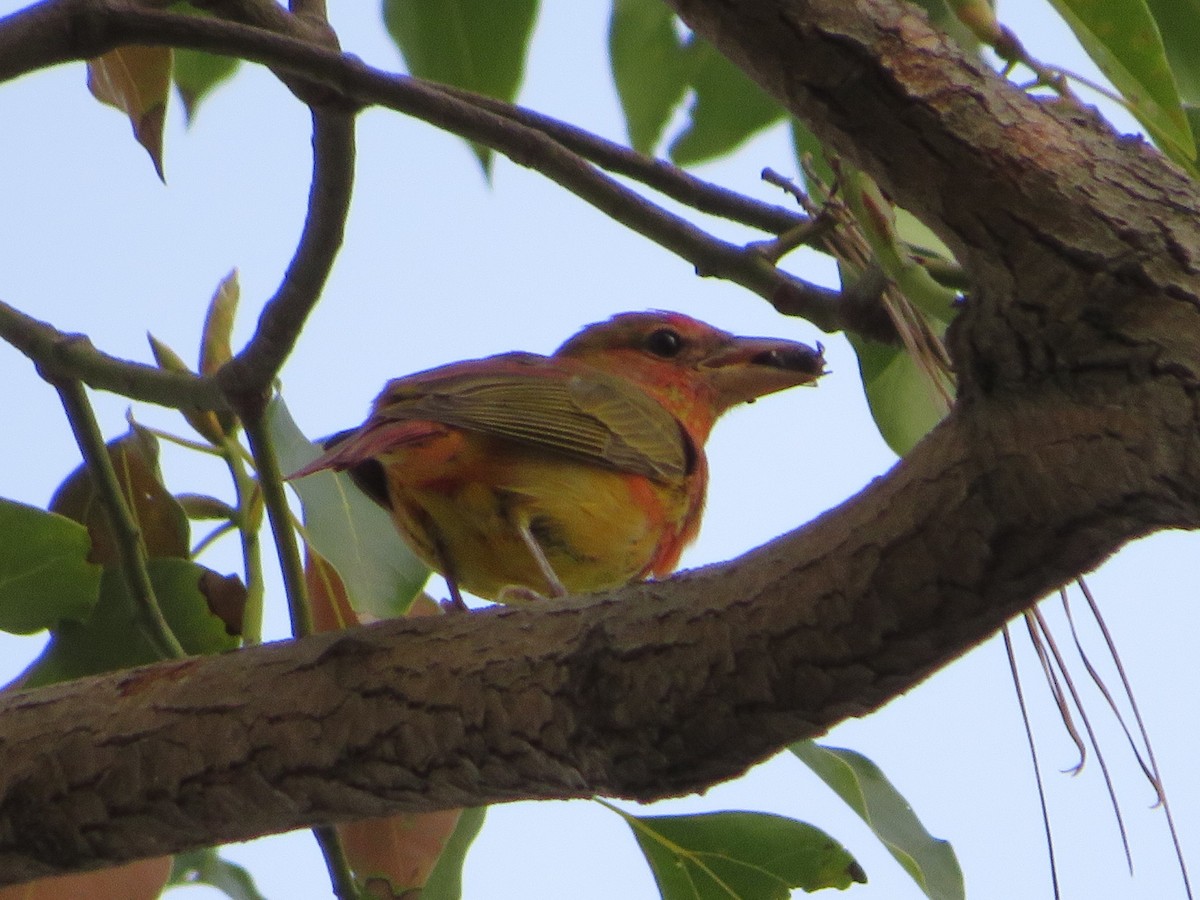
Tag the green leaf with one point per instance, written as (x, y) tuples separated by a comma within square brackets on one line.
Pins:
[(804, 142), (727, 108), (931, 862), (479, 45), (648, 66), (944, 17), (904, 401), (1123, 40), (200, 507), (110, 638), (207, 866), (45, 575), (916, 233), (216, 339), (198, 74), (445, 881), (724, 855), (878, 221), (1178, 23), (653, 69), (203, 420), (380, 572)]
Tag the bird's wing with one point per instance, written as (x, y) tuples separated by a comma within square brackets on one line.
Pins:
[(549, 404)]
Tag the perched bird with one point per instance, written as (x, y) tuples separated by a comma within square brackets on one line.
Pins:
[(519, 475)]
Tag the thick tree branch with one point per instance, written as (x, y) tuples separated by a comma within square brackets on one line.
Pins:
[(1001, 178), (654, 691)]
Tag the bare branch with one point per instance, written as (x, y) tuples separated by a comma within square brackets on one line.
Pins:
[(311, 9), (59, 354), (247, 377), (662, 176), (354, 81), (270, 480)]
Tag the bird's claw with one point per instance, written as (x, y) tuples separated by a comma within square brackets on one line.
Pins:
[(519, 595)]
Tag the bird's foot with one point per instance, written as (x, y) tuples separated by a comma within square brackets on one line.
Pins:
[(454, 604), (519, 595)]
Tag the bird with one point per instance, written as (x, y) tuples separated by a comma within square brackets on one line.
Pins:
[(521, 477)]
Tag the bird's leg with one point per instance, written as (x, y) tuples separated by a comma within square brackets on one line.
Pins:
[(455, 603), (539, 556), (516, 594)]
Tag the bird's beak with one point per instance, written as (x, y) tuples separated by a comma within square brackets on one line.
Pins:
[(747, 368)]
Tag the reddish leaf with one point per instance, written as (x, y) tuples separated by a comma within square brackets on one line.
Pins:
[(331, 608), (226, 596), (396, 854), (143, 879), (162, 521), (136, 80)]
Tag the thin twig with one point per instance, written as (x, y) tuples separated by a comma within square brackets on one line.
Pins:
[(171, 438), (808, 232), (340, 874), (1098, 681), (1056, 691), (665, 178), (126, 533), (252, 370), (249, 506), (356, 82), (312, 8), (211, 538), (270, 480)]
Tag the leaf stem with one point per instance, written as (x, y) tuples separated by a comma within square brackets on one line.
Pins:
[(127, 535), (334, 852), (61, 354), (249, 506), (270, 482)]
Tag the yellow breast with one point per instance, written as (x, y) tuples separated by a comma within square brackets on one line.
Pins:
[(461, 499)]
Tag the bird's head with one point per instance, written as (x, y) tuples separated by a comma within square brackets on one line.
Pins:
[(695, 370)]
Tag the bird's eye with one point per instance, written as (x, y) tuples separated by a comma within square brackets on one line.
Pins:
[(665, 342)]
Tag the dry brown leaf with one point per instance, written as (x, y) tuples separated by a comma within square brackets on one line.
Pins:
[(136, 80)]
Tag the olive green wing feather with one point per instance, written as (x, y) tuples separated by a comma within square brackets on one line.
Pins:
[(589, 416)]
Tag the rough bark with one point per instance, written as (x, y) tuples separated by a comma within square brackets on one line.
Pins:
[(1075, 431)]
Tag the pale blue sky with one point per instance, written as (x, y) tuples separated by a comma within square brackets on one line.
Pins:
[(439, 266)]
